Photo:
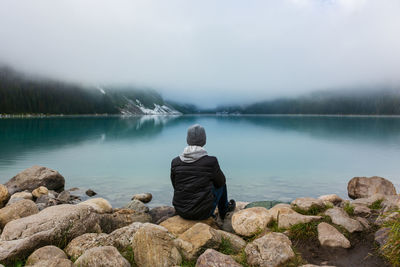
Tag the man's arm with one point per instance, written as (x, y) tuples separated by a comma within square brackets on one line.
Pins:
[(219, 177), (172, 176)]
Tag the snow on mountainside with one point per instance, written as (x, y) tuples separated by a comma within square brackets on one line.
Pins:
[(137, 108)]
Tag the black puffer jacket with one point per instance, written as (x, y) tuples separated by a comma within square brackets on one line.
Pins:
[(193, 184)]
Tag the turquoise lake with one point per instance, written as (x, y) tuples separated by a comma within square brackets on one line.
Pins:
[(263, 157)]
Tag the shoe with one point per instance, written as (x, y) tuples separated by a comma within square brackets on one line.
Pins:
[(231, 205)]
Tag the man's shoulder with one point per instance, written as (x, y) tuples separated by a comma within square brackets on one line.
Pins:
[(175, 160)]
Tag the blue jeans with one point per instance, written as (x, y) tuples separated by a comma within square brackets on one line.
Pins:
[(220, 200)]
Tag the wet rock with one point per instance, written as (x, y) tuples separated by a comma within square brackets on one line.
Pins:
[(264, 204), (340, 217), (40, 191), (305, 203), (363, 187), (332, 198), (248, 222), (272, 249), (90, 193), (20, 209), (196, 239), (177, 225), (35, 177), (382, 235), (137, 206), (160, 214), (102, 257), (19, 196), (329, 236), (212, 258), (4, 195), (52, 226), (45, 253), (109, 222), (153, 246), (236, 242), (55, 262), (100, 205), (144, 197)]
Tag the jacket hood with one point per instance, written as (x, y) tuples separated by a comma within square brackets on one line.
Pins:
[(192, 153)]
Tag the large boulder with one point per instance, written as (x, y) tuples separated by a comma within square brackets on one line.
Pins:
[(137, 206), (363, 187), (20, 209), (212, 258), (99, 204), (153, 246), (340, 217), (331, 237), (34, 177), (196, 239), (45, 253), (109, 222), (162, 213), (102, 257), (177, 225), (272, 249), (55, 225), (305, 203), (248, 222), (4, 195), (143, 197)]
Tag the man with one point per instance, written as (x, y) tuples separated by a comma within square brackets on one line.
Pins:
[(199, 184)]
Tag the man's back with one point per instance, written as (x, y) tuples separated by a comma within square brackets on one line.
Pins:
[(193, 186)]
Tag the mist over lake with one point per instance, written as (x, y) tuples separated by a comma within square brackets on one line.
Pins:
[(263, 157)]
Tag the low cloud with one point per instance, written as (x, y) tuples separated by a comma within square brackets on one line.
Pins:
[(207, 52)]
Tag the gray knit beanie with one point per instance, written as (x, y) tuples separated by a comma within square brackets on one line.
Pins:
[(196, 135)]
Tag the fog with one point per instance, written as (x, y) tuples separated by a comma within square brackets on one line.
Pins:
[(207, 52)]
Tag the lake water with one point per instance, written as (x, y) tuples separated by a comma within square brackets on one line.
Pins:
[(263, 157)]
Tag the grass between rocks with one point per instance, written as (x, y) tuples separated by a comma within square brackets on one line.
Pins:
[(226, 247), (241, 258), (188, 263), (273, 226), (129, 256), (349, 209), (376, 205), (313, 210), (391, 250)]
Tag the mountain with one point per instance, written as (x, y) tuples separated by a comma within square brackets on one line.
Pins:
[(21, 94), (381, 101)]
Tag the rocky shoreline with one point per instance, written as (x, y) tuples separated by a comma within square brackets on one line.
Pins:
[(44, 225)]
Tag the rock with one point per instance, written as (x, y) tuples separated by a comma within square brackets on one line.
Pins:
[(363, 187), (329, 236), (55, 262), (90, 193), (333, 198), (196, 239), (40, 191), (34, 177), (46, 253), (52, 226), (361, 210), (237, 243), (287, 220), (391, 203), (160, 214), (100, 205), (17, 210), (382, 235), (364, 222), (18, 196), (305, 203), (137, 206), (153, 246), (279, 210), (177, 225), (387, 217), (121, 218), (312, 265), (144, 197), (212, 258), (45, 201), (264, 204), (122, 238), (4, 195), (272, 249), (64, 197), (340, 217), (102, 257), (248, 222), (82, 243)]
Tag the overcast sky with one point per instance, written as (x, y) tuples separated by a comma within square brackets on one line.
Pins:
[(207, 52)]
